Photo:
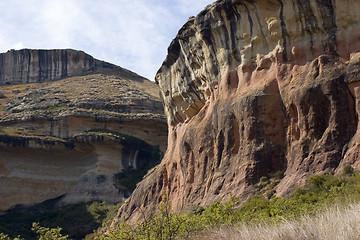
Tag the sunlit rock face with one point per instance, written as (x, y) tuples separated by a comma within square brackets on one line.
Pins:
[(30, 65), (73, 136), (250, 88)]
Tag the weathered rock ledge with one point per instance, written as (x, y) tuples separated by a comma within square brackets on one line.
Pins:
[(35, 167), (74, 136), (252, 87)]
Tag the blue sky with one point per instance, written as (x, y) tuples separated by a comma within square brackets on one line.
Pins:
[(134, 34)]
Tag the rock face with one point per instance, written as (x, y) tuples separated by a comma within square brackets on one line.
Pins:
[(74, 137), (29, 66), (253, 87), (73, 105)]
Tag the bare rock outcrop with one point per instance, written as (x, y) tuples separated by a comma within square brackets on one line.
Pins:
[(74, 137), (250, 88), (70, 106), (32, 65)]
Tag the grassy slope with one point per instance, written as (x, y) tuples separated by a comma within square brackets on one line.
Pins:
[(337, 222), (96, 94), (278, 214)]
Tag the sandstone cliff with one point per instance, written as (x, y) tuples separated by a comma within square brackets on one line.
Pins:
[(29, 65), (73, 137), (253, 87)]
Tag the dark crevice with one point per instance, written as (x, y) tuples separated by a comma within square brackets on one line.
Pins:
[(191, 168), (220, 148), (21, 67), (15, 64), (186, 153), (316, 68), (285, 34), (64, 63), (316, 107), (251, 23), (204, 173), (309, 25), (293, 122), (226, 33), (233, 135), (28, 67), (219, 187), (1, 69), (260, 26), (40, 56), (234, 14), (329, 24), (206, 33)]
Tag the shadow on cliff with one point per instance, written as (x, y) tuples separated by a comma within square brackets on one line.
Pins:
[(76, 220)]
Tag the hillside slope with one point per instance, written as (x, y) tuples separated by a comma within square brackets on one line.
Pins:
[(74, 136)]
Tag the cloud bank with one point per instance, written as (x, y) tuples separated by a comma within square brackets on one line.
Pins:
[(134, 34)]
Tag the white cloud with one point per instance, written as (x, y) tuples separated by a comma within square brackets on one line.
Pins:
[(132, 34), (18, 46)]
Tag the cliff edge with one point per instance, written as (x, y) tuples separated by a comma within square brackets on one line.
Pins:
[(74, 128), (251, 88), (39, 65)]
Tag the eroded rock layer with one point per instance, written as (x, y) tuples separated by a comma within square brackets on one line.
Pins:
[(82, 137), (34, 169), (253, 87)]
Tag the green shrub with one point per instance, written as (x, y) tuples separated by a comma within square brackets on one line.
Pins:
[(196, 209), (348, 170), (41, 232), (48, 233), (269, 194), (263, 179), (279, 175), (166, 224)]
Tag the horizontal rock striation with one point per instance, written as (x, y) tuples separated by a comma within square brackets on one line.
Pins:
[(30, 66), (34, 169), (70, 106), (250, 88), (81, 138)]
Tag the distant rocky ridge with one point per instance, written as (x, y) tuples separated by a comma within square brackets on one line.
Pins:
[(252, 88), (31, 66), (72, 125)]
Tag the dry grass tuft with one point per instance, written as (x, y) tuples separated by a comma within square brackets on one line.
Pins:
[(336, 223)]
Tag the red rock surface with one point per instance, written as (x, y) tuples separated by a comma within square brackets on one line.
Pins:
[(251, 88)]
